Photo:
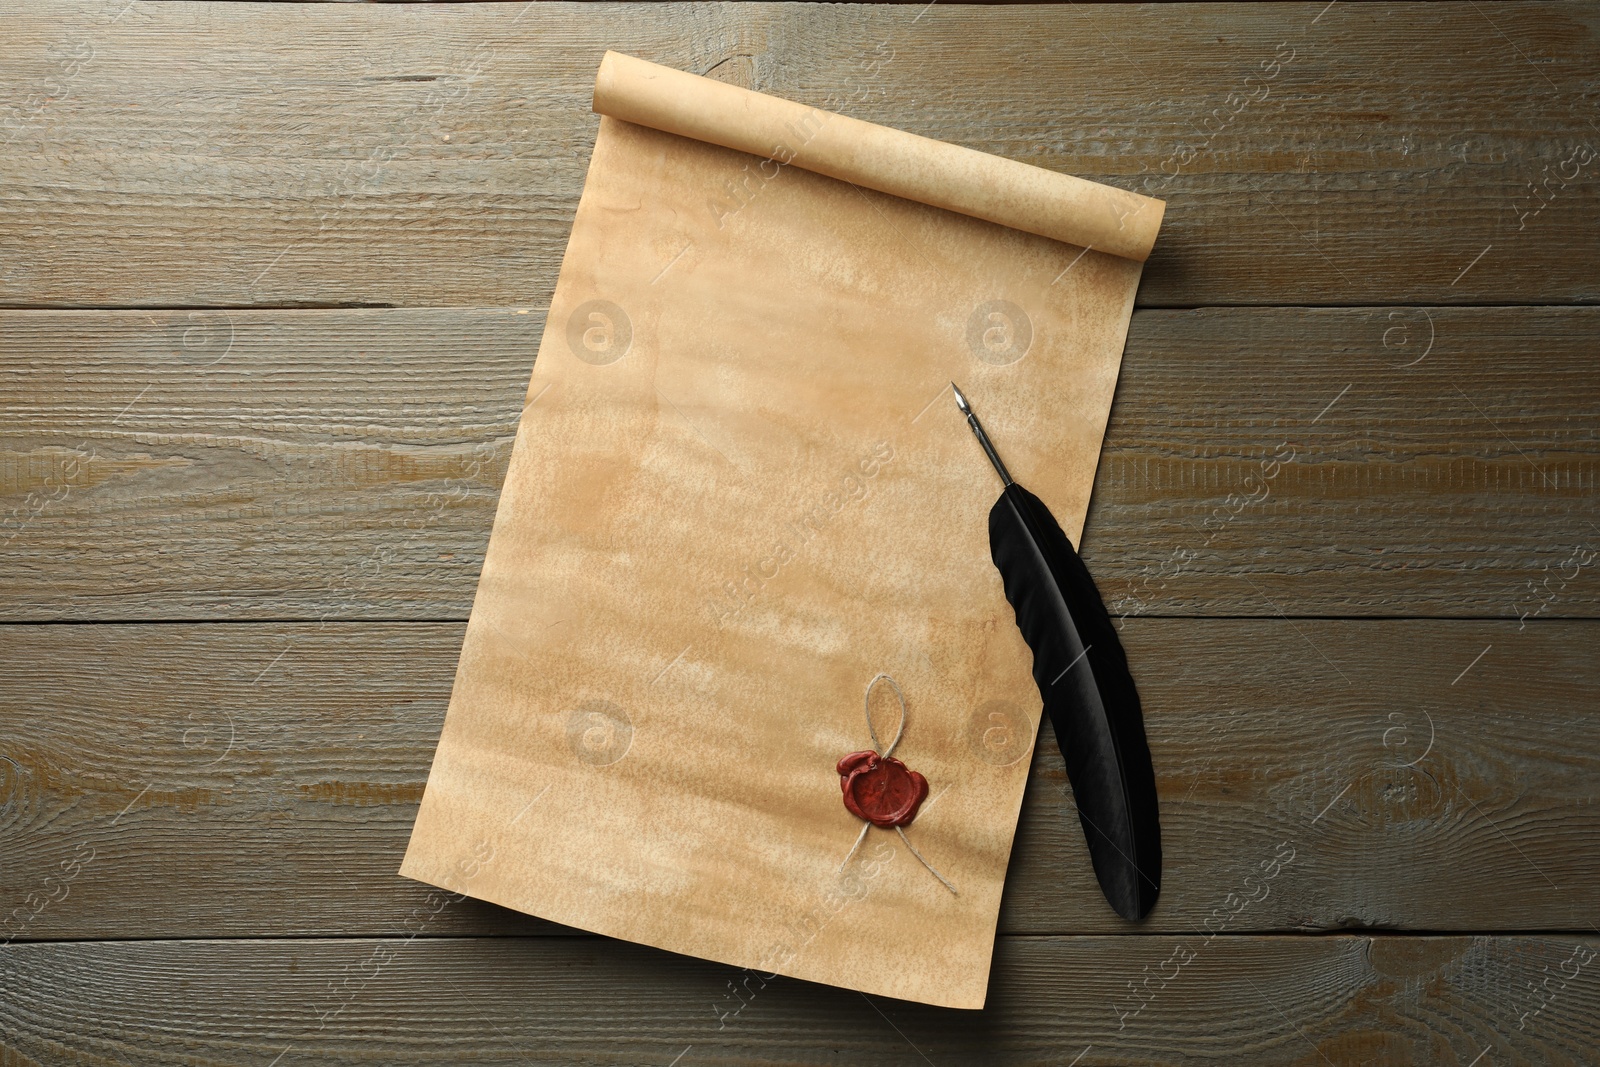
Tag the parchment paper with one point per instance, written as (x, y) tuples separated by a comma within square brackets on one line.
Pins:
[(740, 490)]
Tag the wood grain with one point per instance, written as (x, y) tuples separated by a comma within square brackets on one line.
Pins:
[(247, 780), (171, 442), (162, 155), (1237, 1001), (345, 464)]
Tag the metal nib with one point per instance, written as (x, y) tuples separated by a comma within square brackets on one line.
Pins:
[(983, 438)]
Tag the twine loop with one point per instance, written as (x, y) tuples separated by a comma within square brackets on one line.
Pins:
[(866, 702)]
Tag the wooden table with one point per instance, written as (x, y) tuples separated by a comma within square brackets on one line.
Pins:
[(273, 277)]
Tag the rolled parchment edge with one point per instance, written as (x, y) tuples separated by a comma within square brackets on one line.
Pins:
[(1004, 191)]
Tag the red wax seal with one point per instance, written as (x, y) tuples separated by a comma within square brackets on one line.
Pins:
[(880, 789)]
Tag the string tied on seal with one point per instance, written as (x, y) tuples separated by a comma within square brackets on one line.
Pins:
[(881, 790)]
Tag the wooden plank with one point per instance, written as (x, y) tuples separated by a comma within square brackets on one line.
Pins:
[(329, 464), (345, 464), (919, 3), (433, 154), (1436, 462), (1314, 775), (1239, 1001)]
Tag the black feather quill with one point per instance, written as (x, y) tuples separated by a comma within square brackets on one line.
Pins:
[(1082, 674)]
